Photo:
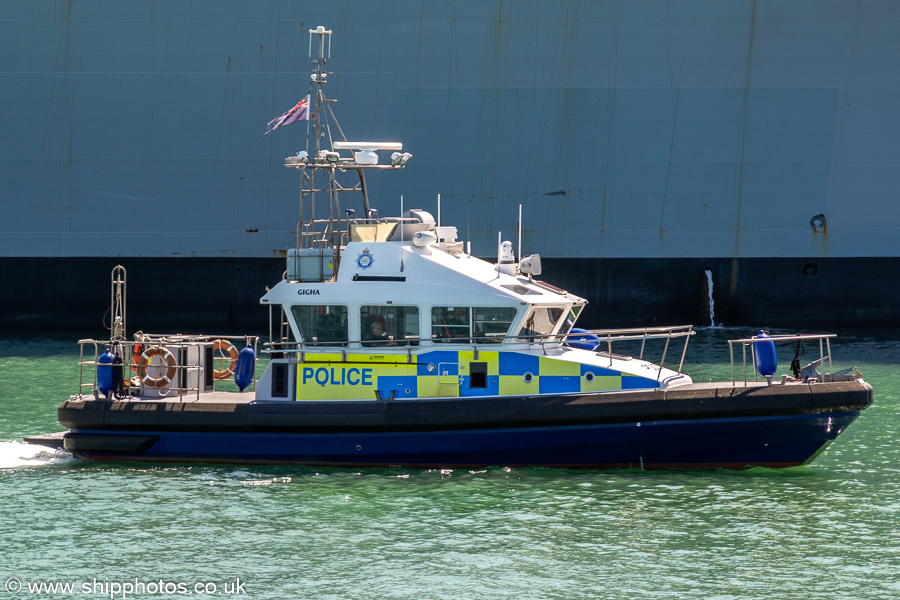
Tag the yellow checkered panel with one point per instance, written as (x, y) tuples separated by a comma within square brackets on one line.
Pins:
[(448, 374)]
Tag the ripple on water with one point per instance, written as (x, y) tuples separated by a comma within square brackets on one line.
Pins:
[(19, 454), (828, 530)]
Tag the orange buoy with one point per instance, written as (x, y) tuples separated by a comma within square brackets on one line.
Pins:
[(224, 346), (144, 361)]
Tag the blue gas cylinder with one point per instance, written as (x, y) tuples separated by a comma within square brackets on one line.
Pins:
[(105, 372), (243, 372), (764, 357)]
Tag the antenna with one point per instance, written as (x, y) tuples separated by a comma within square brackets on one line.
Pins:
[(439, 210), (321, 32), (519, 246), (401, 233)]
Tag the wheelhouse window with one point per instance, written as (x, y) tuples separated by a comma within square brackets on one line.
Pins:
[(451, 324), (492, 324), (569, 323), (389, 325), (465, 324), (541, 322), (321, 324)]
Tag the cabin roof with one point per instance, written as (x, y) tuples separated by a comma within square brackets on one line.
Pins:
[(400, 271)]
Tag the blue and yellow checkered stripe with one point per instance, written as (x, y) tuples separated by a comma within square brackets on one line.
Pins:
[(443, 374)]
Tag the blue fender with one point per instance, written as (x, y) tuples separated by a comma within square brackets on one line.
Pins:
[(764, 357), (105, 372), (585, 341), (246, 364)]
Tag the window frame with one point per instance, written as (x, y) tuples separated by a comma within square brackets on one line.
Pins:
[(492, 337), (313, 342), (531, 335), (471, 337), (382, 310)]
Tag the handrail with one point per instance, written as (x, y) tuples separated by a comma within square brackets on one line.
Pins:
[(606, 337), (81, 363), (176, 341), (826, 337)]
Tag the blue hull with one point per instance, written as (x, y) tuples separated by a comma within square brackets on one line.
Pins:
[(773, 441)]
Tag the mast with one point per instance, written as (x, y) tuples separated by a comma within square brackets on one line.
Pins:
[(317, 100), (317, 79), (324, 237)]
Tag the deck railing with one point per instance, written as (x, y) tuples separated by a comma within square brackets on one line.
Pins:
[(605, 340), (824, 351), (173, 343), (643, 334)]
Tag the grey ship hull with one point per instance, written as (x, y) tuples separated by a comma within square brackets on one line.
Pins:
[(647, 142)]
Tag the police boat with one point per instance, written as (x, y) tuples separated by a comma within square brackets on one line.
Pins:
[(391, 345)]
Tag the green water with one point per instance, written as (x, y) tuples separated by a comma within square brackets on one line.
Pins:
[(830, 530)]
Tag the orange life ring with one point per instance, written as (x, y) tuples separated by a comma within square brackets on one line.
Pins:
[(144, 362), (225, 346)]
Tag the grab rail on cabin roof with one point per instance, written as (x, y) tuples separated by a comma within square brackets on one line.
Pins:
[(316, 233), (321, 234)]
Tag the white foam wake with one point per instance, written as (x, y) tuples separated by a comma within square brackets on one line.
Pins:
[(20, 454)]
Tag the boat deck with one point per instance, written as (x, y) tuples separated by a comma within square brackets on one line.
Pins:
[(248, 397), (216, 397)]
